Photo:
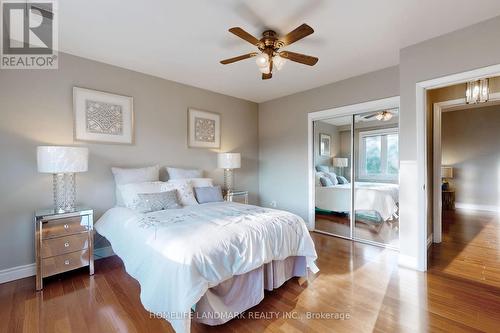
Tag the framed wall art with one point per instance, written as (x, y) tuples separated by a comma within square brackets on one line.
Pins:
[(103, 117), (203, 129)]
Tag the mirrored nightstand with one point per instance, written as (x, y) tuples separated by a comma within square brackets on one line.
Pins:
[(237, 196), (63, 242)]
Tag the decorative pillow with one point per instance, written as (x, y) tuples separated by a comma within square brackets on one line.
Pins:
[(178, 173), (130, 193), (153, 202), (342, 180), (184, 191), (333, 177), (325, 182), (208, 194), (322, 168), (317, 178), (137, 175), (195, 182)]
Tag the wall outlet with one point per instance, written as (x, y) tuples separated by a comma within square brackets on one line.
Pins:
[(273, 204)]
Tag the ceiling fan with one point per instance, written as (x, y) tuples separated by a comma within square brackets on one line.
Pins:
[(384, 115), (269, 55)]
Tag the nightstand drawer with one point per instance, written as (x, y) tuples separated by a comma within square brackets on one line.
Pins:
[(56, 246), (65, 262), (64, 227)]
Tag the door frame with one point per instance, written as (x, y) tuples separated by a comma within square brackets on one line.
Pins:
[(348, 110), (438, 109)]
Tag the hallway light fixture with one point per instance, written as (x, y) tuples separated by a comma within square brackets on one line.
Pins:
[(477, 91)]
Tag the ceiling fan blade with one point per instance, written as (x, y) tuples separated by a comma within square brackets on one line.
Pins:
[(244, 35), (299, 57), (267, 76), (297, 34), (238, 58)]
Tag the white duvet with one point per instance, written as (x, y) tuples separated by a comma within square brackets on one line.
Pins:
[(176, 255)]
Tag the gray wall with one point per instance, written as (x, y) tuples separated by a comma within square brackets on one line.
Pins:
[(283, 134), (36, 109), (470, 145), (321, 127)]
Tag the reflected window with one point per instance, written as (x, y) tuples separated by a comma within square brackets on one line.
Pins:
[(379, 154)]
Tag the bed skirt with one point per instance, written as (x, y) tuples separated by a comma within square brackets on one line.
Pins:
[(241, 292)]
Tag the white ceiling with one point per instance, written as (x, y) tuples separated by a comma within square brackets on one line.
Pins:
[(183, 41)]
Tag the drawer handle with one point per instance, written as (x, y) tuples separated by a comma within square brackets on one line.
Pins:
[(66, 226), (66, 244), (66, 262)]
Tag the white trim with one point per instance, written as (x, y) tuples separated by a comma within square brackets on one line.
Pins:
[(439, 108), (348, 110), (16, 273), (408, 261), (474, 207), (420, 103), (429, 241)]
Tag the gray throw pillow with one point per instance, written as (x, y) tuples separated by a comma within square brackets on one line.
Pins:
[(322, 168), (333, 178), (342, 180), (152, 202), (208, 194), (325, 181)]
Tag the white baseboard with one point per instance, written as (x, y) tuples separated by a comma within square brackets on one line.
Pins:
[(24, 271), (16, 273), (487, 208), (408, 262), (429, 240)]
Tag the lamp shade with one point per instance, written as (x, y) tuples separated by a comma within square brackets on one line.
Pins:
[(56, 159), (229, 160), (446, 172), (340, 162)]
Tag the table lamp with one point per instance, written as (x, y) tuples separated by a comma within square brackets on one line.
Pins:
[(340, 162), (228, 162), (446, 173), (63, 163)]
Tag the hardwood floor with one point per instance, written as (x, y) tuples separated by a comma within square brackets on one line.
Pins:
[(360, 280), (470, 248)]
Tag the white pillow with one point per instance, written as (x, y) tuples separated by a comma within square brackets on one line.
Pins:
[(130, 193), (136, 175), (195, 182), (319, 174), (184, 189), (177, 173)]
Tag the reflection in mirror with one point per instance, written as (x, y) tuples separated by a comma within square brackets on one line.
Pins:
[(376, 170), (332, 163)]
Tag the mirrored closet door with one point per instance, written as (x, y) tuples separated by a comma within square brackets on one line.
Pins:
[(332, 154), (356, 167)]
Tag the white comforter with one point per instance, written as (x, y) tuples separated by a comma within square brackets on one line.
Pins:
[(176, 255)]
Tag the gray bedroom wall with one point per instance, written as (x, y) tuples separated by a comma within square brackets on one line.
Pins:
[(434, 58), (36, 109), (321, 127), (470, 145), (283, 175)]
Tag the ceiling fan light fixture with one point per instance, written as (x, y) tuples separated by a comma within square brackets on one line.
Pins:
[(262, 60), (279, 62), (265, 70)]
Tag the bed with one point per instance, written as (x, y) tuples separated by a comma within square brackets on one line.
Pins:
[(208, 258), (378, 197)]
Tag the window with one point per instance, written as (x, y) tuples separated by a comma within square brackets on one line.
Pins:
[(379, 154)]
